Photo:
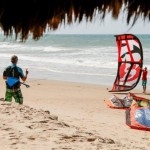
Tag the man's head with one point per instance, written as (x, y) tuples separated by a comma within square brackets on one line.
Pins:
[(14, 59), (145, 68)]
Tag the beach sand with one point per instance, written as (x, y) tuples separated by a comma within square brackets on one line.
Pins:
[(59, 115)]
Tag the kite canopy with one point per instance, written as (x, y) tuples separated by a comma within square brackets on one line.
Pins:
[(138, 118), (130, 62), (119, 103), (34, 16)]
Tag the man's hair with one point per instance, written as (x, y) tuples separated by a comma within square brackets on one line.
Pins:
[(145, 68), (14, 59)]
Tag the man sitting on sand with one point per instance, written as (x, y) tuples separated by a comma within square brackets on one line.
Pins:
[(12, 75)]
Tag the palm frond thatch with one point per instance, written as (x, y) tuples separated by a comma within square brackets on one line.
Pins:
[(33, 16)]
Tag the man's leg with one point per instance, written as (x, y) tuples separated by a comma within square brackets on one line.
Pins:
[(18, 97), (8, 95), (144, 86), (145, 89)]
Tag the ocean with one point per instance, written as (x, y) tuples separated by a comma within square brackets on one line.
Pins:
[(75, 58)]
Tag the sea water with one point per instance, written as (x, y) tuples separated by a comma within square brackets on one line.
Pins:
[(75, 58)]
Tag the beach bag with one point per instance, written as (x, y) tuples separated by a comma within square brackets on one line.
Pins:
[(11, 81)]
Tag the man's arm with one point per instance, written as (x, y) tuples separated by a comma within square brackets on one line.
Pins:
[(4, 75), (141, 68), (25, 77)]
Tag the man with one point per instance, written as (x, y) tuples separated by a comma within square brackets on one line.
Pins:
[(144, 79), (12, 75)]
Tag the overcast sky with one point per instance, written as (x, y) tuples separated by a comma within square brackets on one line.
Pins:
[(108, 26)]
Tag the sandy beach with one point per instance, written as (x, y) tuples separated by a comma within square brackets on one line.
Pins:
[(59, 115)]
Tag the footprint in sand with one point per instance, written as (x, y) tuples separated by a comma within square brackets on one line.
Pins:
[(13, 143), (11, 133), (31, 138), (30, 127), (108, 141), (13, 138), (63, 124), (7, 129), (28, 117), (91, 139)]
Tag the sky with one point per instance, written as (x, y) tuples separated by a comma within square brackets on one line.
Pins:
[(108, 26)]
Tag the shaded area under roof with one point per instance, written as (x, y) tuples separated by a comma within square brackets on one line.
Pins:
[(34, 16)]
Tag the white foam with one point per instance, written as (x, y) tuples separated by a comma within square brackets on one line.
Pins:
[(53, 49), (77, 73)]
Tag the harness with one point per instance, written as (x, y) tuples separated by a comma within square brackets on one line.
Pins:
[(13, 75)]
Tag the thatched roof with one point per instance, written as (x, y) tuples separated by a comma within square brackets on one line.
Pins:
[(33, 16)]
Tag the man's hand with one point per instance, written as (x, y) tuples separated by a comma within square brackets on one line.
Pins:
[(27, 71)]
